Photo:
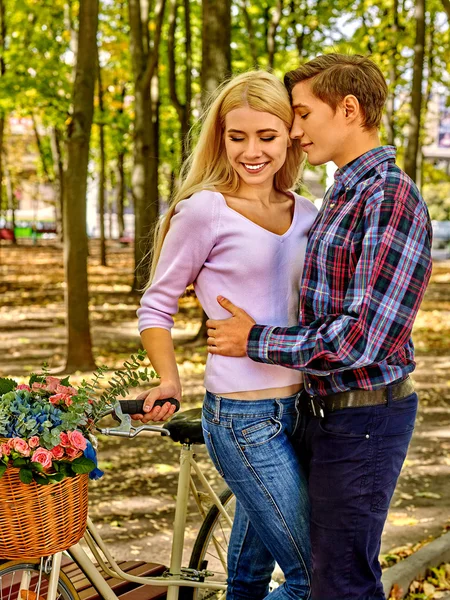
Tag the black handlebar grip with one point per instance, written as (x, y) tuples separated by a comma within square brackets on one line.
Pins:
[(136, 407)]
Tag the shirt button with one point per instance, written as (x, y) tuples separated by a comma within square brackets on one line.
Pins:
[(309, 385), (332, 205)]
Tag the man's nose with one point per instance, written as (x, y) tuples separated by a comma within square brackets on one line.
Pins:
[(296, 132)]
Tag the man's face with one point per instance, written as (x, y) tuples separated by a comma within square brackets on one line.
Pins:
[(322, 131)]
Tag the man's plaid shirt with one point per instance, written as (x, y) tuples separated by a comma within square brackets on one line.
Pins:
[(366, 269)]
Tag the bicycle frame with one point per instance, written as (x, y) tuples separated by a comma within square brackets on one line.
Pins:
[(174, 578)]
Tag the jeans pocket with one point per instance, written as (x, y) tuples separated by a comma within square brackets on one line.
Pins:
[(261, 432), (389, 456), (211, 451), (348, 423)]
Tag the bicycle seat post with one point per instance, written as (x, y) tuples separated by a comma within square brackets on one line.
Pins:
[(180, 517)]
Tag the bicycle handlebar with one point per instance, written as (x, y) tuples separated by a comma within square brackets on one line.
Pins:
[(135, 407)]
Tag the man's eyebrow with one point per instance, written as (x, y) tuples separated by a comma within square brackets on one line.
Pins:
[(294, 106), (259, 131)]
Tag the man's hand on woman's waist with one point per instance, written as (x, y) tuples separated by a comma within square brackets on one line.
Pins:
[(228, 337)]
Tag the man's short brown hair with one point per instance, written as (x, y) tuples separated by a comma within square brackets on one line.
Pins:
[(335, 76)]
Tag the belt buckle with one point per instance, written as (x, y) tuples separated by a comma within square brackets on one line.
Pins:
[(316, 407)]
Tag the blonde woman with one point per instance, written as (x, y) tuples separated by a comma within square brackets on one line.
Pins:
[(235, 225)]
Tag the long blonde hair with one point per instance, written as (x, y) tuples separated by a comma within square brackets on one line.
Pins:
[(208, 168)]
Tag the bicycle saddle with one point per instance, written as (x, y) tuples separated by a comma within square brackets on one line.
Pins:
[(186, 427)]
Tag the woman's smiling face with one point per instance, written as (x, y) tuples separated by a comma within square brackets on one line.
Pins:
[(256, 144)]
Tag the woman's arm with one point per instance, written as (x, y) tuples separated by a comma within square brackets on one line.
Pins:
[(159, 346)]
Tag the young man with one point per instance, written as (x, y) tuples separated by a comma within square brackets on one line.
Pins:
[(367, 266)]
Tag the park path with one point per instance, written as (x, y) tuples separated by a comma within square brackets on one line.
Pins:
[(133, 504)]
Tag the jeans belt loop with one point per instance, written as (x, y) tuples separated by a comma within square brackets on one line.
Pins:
[(217, 410), (280, 409)]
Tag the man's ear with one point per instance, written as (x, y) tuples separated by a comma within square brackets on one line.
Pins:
[(351, 108)]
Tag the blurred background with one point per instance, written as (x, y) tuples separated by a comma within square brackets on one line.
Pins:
[(96, 100)]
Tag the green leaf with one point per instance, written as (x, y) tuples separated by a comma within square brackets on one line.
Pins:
[(19, 462), (65, 381), (26, 476), (37, 467), (7, 385), (56, 478), (83, 465), (40, 479), (2, 469)]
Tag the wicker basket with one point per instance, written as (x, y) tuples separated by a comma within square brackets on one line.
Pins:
[(39, 520)]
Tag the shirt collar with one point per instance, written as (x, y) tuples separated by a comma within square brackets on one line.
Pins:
[(348, 175)]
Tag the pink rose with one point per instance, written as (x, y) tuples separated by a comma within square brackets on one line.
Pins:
[(52, 383), (38, 386), (5, 450), (65, 443), (42, 456), (20, 446), (33, 442), (77, 440), (22, 386), (72, 452), (61, 399), (57, 452), (66, 389)]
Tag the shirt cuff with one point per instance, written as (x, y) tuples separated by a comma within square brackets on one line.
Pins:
[(258, 343)]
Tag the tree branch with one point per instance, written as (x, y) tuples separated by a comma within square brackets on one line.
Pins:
[(152, 59)]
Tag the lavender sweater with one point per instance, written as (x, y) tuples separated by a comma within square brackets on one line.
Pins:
[(223, 253)]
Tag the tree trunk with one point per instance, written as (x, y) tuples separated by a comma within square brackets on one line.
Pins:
[(79, 346), (2, 72), (216, 44), (144, 181), (120, 193), (10, 199), (183, 109), (446, 5), (389, 115), (216, 65), (272, 31), (412, 148), (102, 174), (59, 180), (251, 35)]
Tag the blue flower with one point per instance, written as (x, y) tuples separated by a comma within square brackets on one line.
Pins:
[(92, 455)]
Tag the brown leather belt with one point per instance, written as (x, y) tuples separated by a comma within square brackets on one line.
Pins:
[(318, 405)]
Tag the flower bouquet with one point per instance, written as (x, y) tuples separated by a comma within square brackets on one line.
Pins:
[(47, 451)]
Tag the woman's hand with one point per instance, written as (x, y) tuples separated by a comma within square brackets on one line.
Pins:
[(167, 389)]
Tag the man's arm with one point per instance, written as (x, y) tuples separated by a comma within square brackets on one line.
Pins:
[(381, 304)]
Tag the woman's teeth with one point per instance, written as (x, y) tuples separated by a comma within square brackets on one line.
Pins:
[(254, 167)]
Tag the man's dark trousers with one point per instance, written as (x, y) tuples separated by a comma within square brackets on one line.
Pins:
[(353, 457)]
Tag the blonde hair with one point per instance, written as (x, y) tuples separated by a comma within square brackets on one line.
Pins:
[(208, 168)]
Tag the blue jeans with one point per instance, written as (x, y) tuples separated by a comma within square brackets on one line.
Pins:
[(353, 458), (251, 443)]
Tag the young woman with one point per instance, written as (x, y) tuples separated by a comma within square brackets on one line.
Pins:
[(236, 226)]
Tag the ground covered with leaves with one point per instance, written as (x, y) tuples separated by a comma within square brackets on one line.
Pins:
[(133, 504)]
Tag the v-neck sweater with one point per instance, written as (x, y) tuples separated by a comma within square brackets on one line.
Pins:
[(222, 252)]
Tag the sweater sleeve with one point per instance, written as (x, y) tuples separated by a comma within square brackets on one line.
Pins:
[(190, 239)]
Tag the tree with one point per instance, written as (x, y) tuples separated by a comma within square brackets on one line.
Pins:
[(79, 347), (183, 108), (216, 64), (145, 55), (216, 44), (412, 148), (2, 74)]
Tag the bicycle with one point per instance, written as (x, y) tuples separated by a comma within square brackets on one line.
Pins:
[(44, 580)]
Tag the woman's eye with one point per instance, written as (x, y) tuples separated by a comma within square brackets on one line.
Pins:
[(304, 116), (234, 139), (268, 139)]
